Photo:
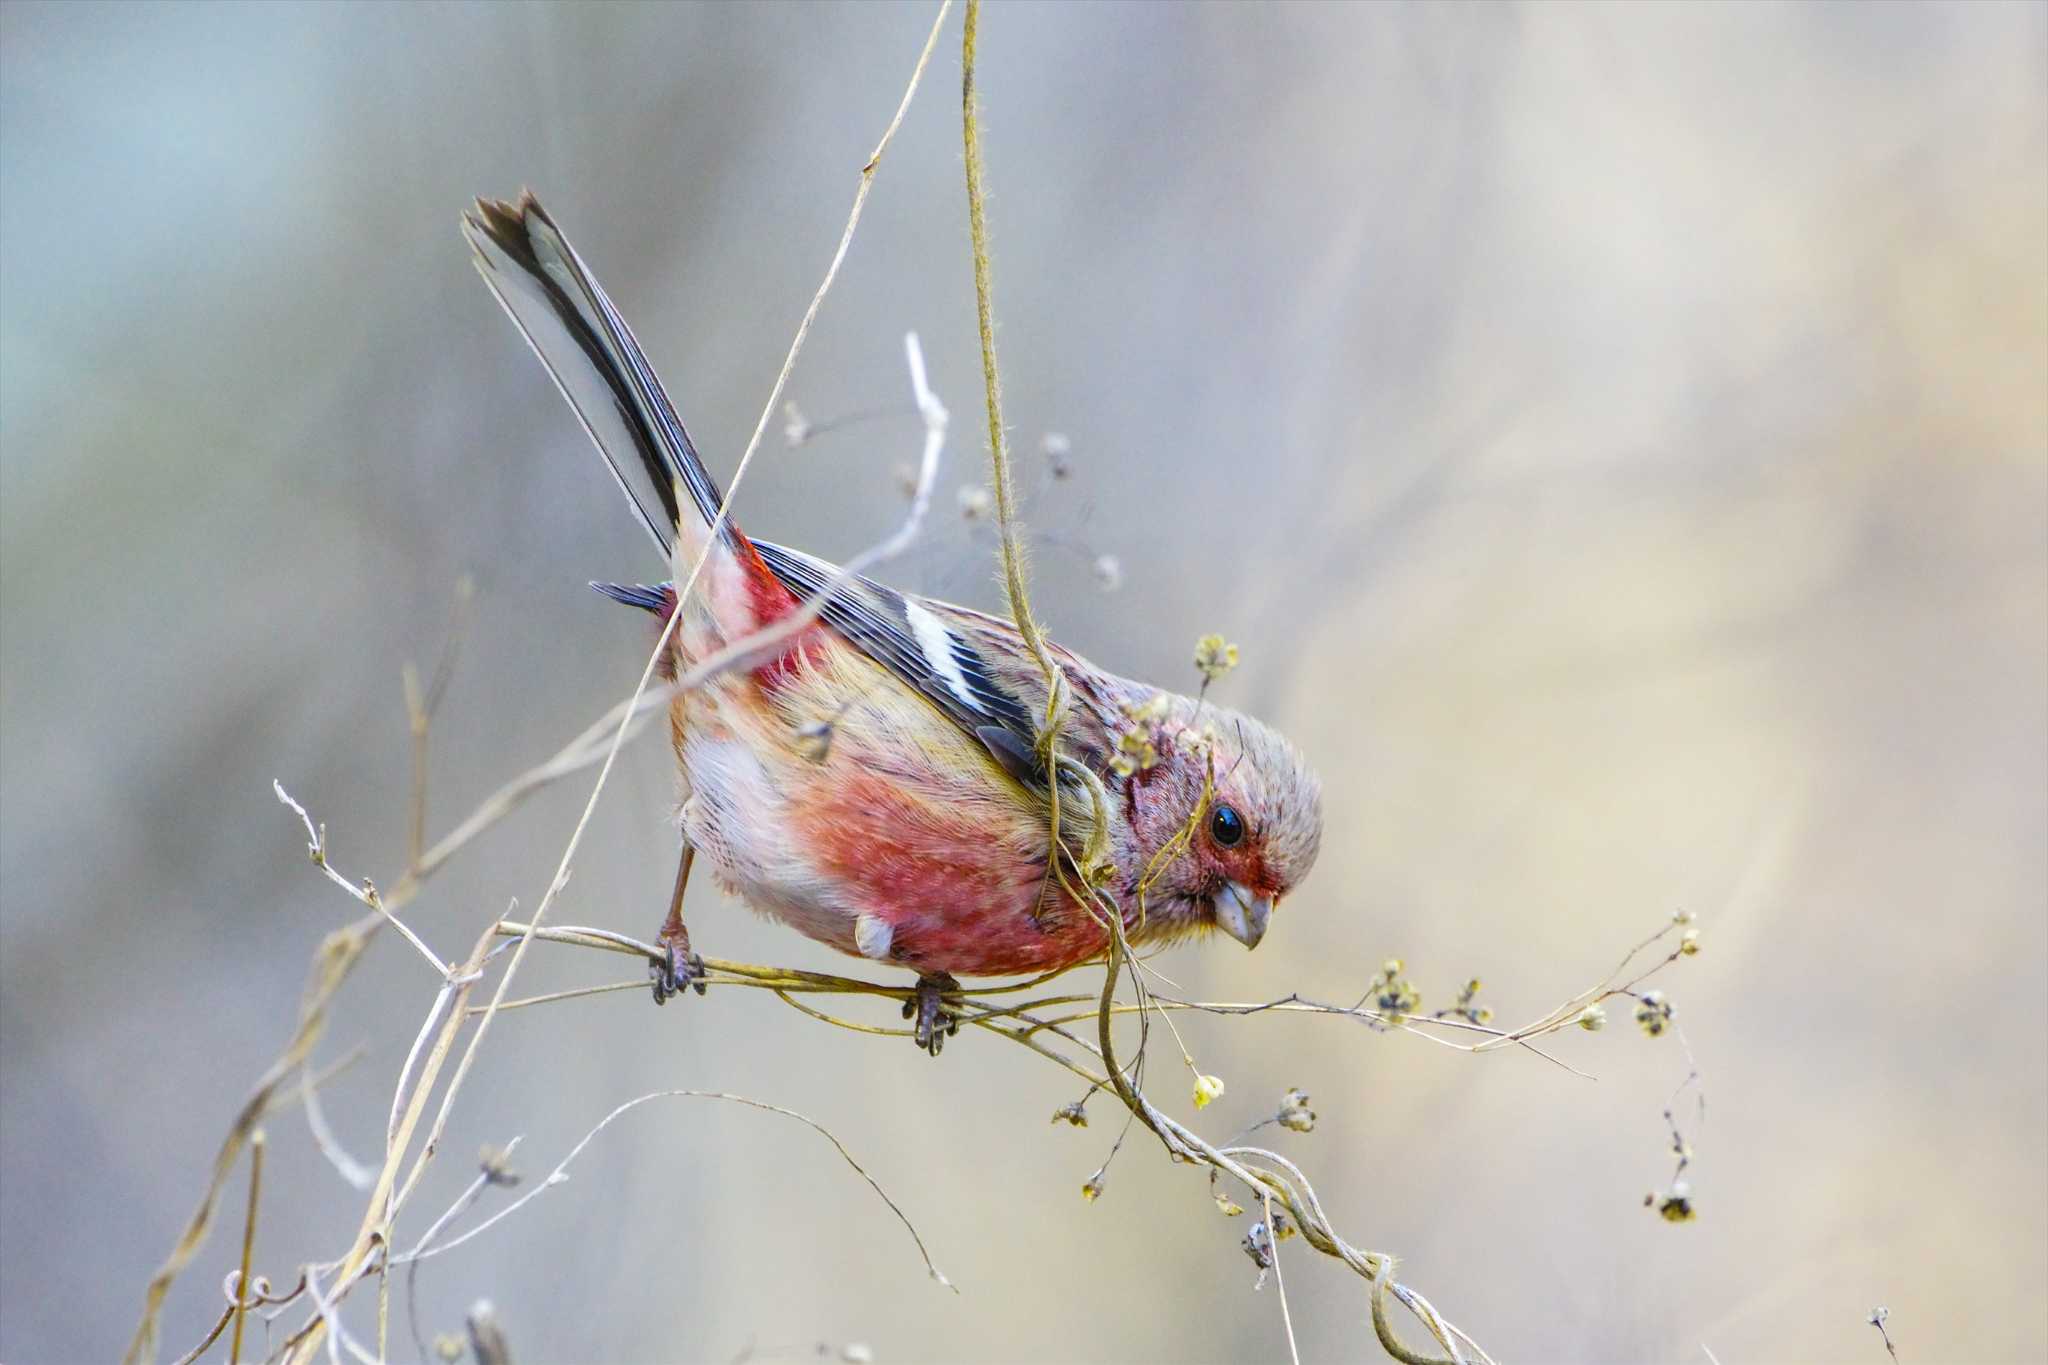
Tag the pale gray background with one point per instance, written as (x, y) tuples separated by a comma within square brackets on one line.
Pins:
[(1617, 437)]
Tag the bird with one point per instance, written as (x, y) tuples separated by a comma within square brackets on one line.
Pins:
[(877, 782)]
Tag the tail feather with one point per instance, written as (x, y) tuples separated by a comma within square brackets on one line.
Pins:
[(586, 346), (659, 600), (595, 361)]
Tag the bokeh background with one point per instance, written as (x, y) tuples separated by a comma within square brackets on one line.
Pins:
[(1617, 437)]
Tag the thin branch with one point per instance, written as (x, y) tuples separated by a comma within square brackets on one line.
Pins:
[(373, 1231), (403, 1091), (231, 1313), (765, 642), (782, 980), (803, 329), (316, 849), (248, 1242), (556, 997), (419, 710), (492, 1173), (1014, 587), (560, 1174), (573, 757), (354, 1172), (338, 954), (338, 1336), (1280, 1280), (1296, 1195)]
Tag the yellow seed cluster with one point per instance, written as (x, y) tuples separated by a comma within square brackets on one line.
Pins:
[(1214, 656), (1295, 1115), (1468, 1008), (1136, 748), (1392, 994), (1071, 1113), (1674, 1205)]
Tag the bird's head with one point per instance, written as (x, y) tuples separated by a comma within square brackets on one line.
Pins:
[(1252, 840)]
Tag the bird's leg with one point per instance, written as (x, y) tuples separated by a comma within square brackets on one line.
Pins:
[(936, 1019), (683, 968)]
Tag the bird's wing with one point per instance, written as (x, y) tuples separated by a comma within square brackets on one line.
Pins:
[(920, 643), (973, 667)]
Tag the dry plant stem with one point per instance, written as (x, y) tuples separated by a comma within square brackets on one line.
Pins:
[(1567, 1012), (355, 1173), (373, 1231), (420, 705), (1280, 1281), (763, 643), (412, 1259), (339, 1337), (560, 1173), (338, 953), (1179, 1141), (1265, 1172), (1014, 586), (579, 753), (1299, 1201), (260, 1297), (1009, 540), (238, 1297), (611, 941), (803, 330), (785, 980), (248, 1243), (220, 1325), (385, 1200), (316, 848)]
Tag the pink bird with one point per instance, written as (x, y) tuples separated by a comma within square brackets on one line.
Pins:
[(875, 784)]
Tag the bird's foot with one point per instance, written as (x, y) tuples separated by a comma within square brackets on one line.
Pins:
[(937, 1020), (680, 969)]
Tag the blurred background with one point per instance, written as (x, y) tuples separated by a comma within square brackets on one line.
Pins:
[(1617, 438)]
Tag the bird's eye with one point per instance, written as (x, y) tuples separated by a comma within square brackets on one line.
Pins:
[(1226, 826)]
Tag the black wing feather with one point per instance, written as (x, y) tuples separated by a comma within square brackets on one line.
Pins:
[(877, 620)]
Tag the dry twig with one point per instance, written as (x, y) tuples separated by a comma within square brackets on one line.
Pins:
[(248, 1241)]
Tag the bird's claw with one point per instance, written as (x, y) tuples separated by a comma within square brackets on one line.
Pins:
[(936, 1019), (680, 969)]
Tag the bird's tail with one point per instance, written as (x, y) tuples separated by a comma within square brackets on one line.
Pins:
[(579, 335)]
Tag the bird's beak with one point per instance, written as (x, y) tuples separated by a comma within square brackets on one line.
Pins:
[(1242, 914)]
